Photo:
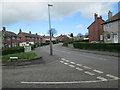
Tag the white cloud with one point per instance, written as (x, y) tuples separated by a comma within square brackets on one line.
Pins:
[(13, 12), (79, 26)]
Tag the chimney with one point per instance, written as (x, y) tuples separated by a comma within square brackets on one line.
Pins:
[(100, 17), (36, 34), (20, 31), (4, 29), (95, 16), (29, 32), (109, 14)]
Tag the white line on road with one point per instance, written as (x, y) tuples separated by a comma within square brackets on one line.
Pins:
[(111, 76), (86, 67), (79, 69), (71, 65), (89, 73), (97, 71), (72, 82), (102, 78), (67, 60), (72, 62), (66, 63), (78, 64), (62, 61)]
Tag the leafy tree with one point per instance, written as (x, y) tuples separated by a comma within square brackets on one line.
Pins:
[(53, 31), (71, 35), (80, 35)]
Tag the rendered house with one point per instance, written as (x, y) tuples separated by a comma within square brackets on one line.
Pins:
[(95, 30), (111, 28), (10, 39)]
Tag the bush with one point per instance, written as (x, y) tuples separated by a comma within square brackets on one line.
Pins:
[(112, 47), (65, 44), (12, 50)]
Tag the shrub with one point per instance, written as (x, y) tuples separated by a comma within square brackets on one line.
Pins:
[(112, 47), (12, 50)]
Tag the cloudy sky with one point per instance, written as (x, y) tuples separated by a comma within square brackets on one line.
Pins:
[(66, 17)]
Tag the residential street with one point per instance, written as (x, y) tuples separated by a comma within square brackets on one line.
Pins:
[(67, 68)]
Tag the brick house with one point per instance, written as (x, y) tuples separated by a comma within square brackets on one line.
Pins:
[(9, 39), (111, 28), (62, 37), (95, 30), (29, 37)]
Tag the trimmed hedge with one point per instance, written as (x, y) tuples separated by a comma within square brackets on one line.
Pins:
[(12, 50), (112, 47)]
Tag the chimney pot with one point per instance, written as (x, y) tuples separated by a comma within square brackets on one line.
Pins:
[(109, 14), (95, 15), (29, 32), (20, 30)]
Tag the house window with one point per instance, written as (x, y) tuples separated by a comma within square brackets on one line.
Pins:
[(109, 25), (101, 37), (13, 38), (18, 38), (8, 38)]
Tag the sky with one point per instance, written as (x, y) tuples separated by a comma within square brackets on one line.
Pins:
[(66, 17)]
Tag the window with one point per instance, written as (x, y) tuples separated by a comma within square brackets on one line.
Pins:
[(13, 38), (8, 38), (18, 38), (109, 25)]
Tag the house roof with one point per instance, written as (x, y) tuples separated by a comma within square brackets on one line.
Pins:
[(94, 22), (29, 35), (9, 34), (113, 18)]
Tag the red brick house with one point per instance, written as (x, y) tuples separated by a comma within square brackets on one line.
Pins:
[(95, 30), (29, 37), (10, 39)]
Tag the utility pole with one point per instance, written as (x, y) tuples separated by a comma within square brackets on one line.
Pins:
[(51, 49)]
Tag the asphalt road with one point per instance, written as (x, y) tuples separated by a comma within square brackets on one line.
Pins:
[(67, 68)]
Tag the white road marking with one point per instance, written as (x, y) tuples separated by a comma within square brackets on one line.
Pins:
[(86, 67), (89, 73), (71, 65), (97, 71), (72, 62), (111, 76), (79, 69), (102, 78), (78, 64), (66, 63), (67, 60), (62, 61), (72, 82)]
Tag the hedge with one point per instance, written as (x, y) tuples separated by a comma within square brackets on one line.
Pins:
[(112, 47), (12, 50)]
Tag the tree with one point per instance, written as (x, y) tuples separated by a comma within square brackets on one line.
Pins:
[(53, 31), (71, 35), (79, 35)]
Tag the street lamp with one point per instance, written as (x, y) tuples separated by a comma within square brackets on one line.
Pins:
[(51, 50)]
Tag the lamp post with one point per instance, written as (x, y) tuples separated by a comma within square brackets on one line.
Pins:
[(51, 49)]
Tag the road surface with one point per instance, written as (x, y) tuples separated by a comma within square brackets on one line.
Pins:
[(67, 68)]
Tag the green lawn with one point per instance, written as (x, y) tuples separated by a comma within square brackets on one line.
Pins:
[(21, 56)]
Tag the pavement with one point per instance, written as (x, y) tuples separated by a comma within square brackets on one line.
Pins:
[(67, 68)]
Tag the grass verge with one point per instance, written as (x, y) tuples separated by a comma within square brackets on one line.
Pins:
[(21, 56)]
